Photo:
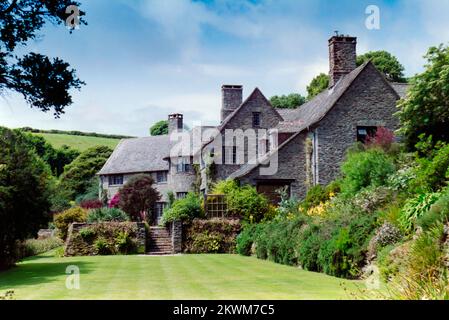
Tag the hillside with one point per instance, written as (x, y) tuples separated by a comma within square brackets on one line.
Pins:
[(78, 142)]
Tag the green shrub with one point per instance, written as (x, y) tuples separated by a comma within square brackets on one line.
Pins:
[(245, 240), (315, 195), (414, 209), (124, 243), (439, 212), (185, 209), (106, 215), (207, 243), (65, 219), (309, 248), (244, 201), (211, 236), (87, 234), (433, 173), (364, 169), (33, 247), (102, 246)]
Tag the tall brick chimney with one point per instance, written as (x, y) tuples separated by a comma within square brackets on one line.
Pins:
[(231, 99), (175, 122), (342, 57)]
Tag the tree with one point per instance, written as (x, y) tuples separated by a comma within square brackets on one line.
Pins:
[(292, 101), (386, 63), (138, 196), (159, 128), (24, 193), (57, 159), (44, 83), (317, 85), (78, 175), (425, 110)]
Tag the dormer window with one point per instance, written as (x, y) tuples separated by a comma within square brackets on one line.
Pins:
[(256, 119)]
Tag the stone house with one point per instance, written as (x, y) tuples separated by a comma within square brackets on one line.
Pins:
[(305, 146)]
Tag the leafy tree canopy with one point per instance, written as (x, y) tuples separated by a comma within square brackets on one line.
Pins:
[(317, 85), (425, 111), (386, 63), (24, 193), (291, 101), (78, 175), (55, 158), (43, 82), (159, 128)]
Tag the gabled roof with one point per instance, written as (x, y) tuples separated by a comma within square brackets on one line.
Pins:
[(314, 110), (256, 91), (400, 88), (138, 155), (310, 113), (287, 114)]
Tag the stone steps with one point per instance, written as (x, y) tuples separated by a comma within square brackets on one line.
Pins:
[(160, 242)]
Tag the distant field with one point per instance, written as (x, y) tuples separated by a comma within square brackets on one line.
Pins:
[(80, 143)]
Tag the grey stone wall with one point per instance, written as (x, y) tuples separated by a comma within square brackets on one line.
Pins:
[(269, 119), (176, 235), (76, 245), (291, 166), (370, 101)]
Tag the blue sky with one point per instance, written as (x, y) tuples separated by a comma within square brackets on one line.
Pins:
[(144, 59)]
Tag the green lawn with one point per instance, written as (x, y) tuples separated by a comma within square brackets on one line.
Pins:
[(80, 143), (171, 277)]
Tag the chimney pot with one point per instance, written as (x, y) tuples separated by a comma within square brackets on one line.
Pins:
[(175, 122), (231, 99), (342, 57)]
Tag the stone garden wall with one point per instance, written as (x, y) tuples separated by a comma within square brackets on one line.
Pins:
[(107, 238), (210, 236)]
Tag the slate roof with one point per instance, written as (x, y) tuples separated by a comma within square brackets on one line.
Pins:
[(400, 88), (309, 114), (287, 114), (314, 110), (138, 155)]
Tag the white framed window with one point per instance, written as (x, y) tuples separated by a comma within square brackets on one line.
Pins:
[(181, 195), (116, 180)]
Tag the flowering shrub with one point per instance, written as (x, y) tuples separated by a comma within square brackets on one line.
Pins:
[(114, 203), (91, 204), (383, 138)]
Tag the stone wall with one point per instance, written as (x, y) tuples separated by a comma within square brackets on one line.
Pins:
[(243, 120), (83, 238), (210, 236), (370, 101), (291, 167)]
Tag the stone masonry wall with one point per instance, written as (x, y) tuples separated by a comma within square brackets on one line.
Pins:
[(291, 166), (370, 101), (83, 243)]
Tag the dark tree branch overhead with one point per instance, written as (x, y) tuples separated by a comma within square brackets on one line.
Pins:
[(45, 83)]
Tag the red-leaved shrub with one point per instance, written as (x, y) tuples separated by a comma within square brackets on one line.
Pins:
[(383, 138), (91, 204), (114, 203)]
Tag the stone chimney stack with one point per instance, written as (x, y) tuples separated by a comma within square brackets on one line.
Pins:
[(231, 99), (175, 122), (342, 57)]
